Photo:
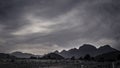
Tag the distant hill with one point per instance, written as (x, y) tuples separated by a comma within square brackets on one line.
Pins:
[(111, 56), (22, 55), (105, 49), (6, 56), (86, 49), (52, 56)]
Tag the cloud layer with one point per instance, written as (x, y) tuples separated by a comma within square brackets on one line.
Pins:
[(42, 26)]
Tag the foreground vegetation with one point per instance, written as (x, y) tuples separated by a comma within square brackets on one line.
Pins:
[(52, 60), (35, 63)]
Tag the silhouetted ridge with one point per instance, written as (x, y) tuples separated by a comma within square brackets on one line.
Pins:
[(57, 52), (105, 49), (52, 56), (22, 55), (105, 46), (86, 49), (6, 56)]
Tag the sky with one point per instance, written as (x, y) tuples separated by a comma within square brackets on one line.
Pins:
[(43, 26)]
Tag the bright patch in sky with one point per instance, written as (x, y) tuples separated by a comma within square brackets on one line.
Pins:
[(35, 25)]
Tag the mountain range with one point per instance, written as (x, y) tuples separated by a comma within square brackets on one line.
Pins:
[(52, 56), (101, 54), (86, 49), (24, 55), (77, 53)]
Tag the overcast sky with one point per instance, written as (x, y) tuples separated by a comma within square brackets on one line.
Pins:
[(42, 26)]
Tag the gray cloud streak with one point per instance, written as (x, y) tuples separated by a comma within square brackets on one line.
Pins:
[(29, 23)]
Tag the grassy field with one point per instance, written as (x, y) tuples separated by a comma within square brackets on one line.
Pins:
[(32, 63)]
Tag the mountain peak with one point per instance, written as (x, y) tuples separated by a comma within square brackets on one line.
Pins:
[(73, 49), (87, 46), (105, 47), (21, 54), (63, 51), (52, 56), (56, 52)]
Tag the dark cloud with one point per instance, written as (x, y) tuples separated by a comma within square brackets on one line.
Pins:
[(58, 24)]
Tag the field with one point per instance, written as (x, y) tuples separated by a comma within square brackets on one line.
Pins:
[(31, 63)]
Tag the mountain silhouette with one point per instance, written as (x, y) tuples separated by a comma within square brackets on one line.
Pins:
[(52, 56), (86, 49), (21, 55), (6, 56), (105, 49)]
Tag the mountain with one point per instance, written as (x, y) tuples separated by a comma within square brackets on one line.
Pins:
[(86, 49), (21, 55), (52, 56), (111, 56), (82, 51), (105, 49), (6, 56)]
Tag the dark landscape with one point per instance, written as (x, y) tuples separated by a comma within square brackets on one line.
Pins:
[(103, 57), (59, 33)]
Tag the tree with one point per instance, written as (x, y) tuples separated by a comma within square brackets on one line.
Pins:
[(118, 57), (93, 58), (32, 57), (12, 60), (101, 59), (87, 57), (73, 58), (80, 58)]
